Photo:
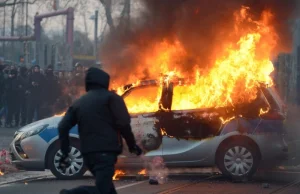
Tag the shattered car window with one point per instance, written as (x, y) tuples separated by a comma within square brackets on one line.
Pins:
[(143, 99)]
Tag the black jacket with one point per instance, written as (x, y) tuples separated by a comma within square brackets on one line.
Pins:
[(101, 116), (51, 84), (12, 89), (35, 84), (23, 85), (2, 87)]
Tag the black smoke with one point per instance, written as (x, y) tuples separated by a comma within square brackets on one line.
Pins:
[(200, 25)]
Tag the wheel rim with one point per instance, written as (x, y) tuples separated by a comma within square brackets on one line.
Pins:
[(238, 161), (76, 162)]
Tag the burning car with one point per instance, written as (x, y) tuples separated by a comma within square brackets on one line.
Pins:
[(237, 139), (228, 114)]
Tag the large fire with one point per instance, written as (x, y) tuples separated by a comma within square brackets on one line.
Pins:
[(239, 67)]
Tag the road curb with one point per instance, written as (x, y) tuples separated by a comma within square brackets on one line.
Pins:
[(284, 174), (24, 180)]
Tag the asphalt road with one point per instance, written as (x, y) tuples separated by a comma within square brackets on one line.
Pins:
[(179, 185)]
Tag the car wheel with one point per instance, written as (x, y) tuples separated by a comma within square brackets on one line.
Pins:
[(238, 160), (77, 168)]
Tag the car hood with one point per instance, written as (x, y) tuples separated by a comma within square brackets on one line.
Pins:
[(52, 122)]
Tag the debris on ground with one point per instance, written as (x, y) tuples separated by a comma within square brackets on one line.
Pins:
[(5, 163), (153, 182)]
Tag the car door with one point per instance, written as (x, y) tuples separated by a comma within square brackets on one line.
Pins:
[(184, 134), (142, 104)]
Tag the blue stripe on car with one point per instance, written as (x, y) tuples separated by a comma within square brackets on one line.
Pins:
[(49, 133)]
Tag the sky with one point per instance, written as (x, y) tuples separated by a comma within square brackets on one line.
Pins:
[(84, 9)]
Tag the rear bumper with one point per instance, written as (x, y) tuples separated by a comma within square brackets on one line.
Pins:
[(274, 150)]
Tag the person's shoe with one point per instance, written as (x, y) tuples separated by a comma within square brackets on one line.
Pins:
[(64, 191), (153, 182)]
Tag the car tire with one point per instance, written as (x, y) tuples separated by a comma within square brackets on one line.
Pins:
[(75, 171), (238, 160)]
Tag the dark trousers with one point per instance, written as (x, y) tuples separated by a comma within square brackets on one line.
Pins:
[(22, 110), (12, 111), (102, 166), (32, 106)]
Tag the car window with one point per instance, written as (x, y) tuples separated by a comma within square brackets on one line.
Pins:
[(143, 99)]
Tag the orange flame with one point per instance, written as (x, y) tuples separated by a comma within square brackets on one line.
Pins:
[(233, 79), (117, 173), (226, 120), (143, 172), (262, 111), (1, 173), (60, 115)]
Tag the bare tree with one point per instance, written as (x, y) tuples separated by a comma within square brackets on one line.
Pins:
[(14, 2), (107, 6)]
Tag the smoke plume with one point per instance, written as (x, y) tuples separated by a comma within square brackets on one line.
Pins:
[(199, 26)]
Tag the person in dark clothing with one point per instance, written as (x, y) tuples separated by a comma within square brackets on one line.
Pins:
[(35, 84), (77, 80), (11, 94), (23, 97), (103, 120), (2, 82), (53, 92)]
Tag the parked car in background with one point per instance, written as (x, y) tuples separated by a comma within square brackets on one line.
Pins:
[(237, 145)]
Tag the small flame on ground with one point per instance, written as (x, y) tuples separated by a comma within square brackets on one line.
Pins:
[(143, 172), (1, 173), (117, 173)]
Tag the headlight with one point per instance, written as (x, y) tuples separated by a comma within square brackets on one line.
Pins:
[(35, 130)]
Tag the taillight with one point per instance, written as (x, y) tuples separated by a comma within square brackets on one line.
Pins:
[(273, 115)]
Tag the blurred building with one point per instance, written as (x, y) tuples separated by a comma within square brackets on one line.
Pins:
[(287, 70), (296, 58)]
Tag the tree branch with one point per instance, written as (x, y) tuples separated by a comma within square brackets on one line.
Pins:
[(107, 7), (5, 3)]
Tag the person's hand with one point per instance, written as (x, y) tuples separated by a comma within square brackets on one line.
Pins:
[(136, 150), (64, 162)]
